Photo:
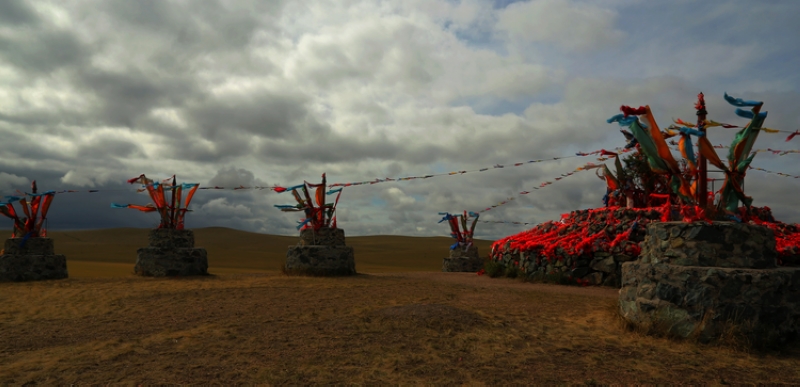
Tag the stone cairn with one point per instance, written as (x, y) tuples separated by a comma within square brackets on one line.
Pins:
[(31, 260), (556, 247), (704, 280), (171, 253), (31, 257), (321, 252), (463, 254)]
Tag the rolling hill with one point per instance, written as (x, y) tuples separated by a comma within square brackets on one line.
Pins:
[(112, 252)]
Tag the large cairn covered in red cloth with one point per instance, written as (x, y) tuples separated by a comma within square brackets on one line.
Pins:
[(590, 245)]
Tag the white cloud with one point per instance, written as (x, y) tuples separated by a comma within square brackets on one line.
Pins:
[(569, 24), (78, 178), (10, 182), (266, 93), (397, 199)]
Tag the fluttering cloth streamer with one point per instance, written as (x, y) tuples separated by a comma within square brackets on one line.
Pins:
[(739, 157), (775, 173), (506, 222), (509, 199), (171, 213), (463, 237), (652, 143), (32, 224), (461, 172), (316, 215), (741, 113)]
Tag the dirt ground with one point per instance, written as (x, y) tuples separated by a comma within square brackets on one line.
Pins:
[(423, 327)]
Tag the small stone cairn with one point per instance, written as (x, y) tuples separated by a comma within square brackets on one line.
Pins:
[(31, 260), (321, 252), (171, 253), (31, 257), (704, 280), (463, 254)]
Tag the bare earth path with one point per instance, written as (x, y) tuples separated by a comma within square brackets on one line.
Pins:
[(424, 327)]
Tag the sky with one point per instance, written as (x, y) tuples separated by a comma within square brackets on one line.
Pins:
[(262, 93)]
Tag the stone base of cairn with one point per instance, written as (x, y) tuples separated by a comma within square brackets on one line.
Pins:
[(171, 253), (705, 281), (32, 260), (461, 260), (321, 252)]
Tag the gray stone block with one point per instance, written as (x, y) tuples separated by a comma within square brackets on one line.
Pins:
[(31, 246), (325, 236), (458, 252), (171, 253), (718, 244), (321, 260), (160, 262), (707, 302), (461, 260), (171, 239), (33, 267)]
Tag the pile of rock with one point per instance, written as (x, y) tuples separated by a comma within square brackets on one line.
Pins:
[(321, 252), (704, 280), (31, 260), (171, 253), (462, 260), (581, 245)]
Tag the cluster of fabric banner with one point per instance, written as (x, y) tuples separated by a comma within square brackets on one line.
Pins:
[(317, 216), (32, 224), (619, 151), (458, 228), (171, 212)]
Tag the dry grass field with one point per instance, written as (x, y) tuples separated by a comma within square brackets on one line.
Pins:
[(112, 252), (399, 323)]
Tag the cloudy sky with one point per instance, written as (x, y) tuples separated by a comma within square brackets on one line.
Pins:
[(269, 92)]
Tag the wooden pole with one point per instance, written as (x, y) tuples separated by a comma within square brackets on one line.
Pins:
[(172, 215), (702, 183)]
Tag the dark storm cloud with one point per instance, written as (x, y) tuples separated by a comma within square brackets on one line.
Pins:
[(41, 52), (198, 27), (240, 93), (126, 97), (218, 147), (16, 12), (103, 148), (17, 145), (266, 114)]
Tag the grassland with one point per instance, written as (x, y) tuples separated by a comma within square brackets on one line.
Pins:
[(400, 322), (112, 252)]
